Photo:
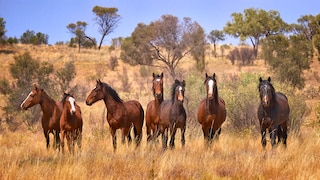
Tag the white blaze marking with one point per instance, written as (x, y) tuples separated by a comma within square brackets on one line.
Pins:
[(72, 100), (210, 84), (26, 99)]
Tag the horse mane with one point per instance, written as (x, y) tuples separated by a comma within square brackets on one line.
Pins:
[(45, 93), (65, 95), (112, 93)]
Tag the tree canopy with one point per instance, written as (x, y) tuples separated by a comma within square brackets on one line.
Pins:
[(255, 24), (163, 43), (215, 36), (78, 29), (107, 19)]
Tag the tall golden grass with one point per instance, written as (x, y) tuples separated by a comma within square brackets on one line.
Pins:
[(24, 156), (235, 156)]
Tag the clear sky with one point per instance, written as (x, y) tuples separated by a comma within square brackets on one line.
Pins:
[(52, 16)]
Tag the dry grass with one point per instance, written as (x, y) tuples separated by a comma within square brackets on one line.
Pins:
[(24, 156), (235, 156)]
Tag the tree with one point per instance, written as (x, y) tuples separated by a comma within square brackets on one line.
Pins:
[(107, 19), (288, 57), (78, 30), (30, 37), (255, 24), (215, 36), (2, 29), (308, 25), (165, 42)]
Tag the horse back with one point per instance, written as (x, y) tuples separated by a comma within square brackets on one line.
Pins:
[(134, 110)]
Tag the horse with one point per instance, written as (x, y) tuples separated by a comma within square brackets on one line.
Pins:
[(152, 112), (173, 115), (121, 115), (51, 112), (212, 110), (273, 113), (70, 123)]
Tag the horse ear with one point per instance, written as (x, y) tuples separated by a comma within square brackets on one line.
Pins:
[(214, 75), (153, 74), (176, 81), (269, 79), (206, 75), (35, 87), (183, 83), (260, 79), (161, 75)]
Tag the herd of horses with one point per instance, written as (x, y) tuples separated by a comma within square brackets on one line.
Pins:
[(163, 117)]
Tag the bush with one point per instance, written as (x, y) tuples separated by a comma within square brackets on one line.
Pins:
[(113, 63)]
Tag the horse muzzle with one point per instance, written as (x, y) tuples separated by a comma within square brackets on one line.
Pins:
[(88, 103)]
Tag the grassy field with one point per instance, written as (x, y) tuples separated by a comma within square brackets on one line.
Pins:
[(235, 156)]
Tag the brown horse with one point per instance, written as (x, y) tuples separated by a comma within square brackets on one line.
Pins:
[(121, 115), (173, 115), (152, 112), (51, 113), (70, 123), (212, 110), (273, 113)]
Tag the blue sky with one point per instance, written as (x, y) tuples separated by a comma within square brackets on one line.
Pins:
[(52, 16)]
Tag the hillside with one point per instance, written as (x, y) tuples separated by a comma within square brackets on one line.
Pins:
[(235, 156)]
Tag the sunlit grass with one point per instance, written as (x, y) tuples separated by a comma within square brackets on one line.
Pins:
[(24, 156)]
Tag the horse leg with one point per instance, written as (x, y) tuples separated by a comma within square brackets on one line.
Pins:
[(69, 141), (284, 134), (183, 140), (164, 138), (57, 140), (206, 135), (46, 135), (126, 133), (173, 134), (218, 133), (79, 139), (280, 134), (114, 139), (273, 134), (62, 140), (263, 138)]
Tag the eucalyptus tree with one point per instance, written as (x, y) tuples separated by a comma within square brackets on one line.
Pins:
[(107, 19), (255, 24), (164, 43), (78, 29), (215, 36)]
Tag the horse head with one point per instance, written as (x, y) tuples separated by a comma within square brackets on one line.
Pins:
[(33, 98), (69, 103), (96, 93), (211, 86), (266, 91), (178, 91), (157, 86)]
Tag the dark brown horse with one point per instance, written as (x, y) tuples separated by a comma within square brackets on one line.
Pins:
[(273, 113), (212, 110), (152, 112), (121, 115), (173, 115), (51, 113), (70, 123)]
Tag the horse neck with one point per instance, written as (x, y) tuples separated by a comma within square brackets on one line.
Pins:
[(47, 104), (212, 104), (111, 104), (158, 101)]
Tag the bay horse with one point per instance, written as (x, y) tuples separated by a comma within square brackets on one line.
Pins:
[(152, 112), (51, 112), (70, 123), (173, 115), (273, 113), (121, 115), (212, 110)]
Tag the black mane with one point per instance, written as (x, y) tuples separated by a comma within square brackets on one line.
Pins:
[(65, 95), (112, 93)]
